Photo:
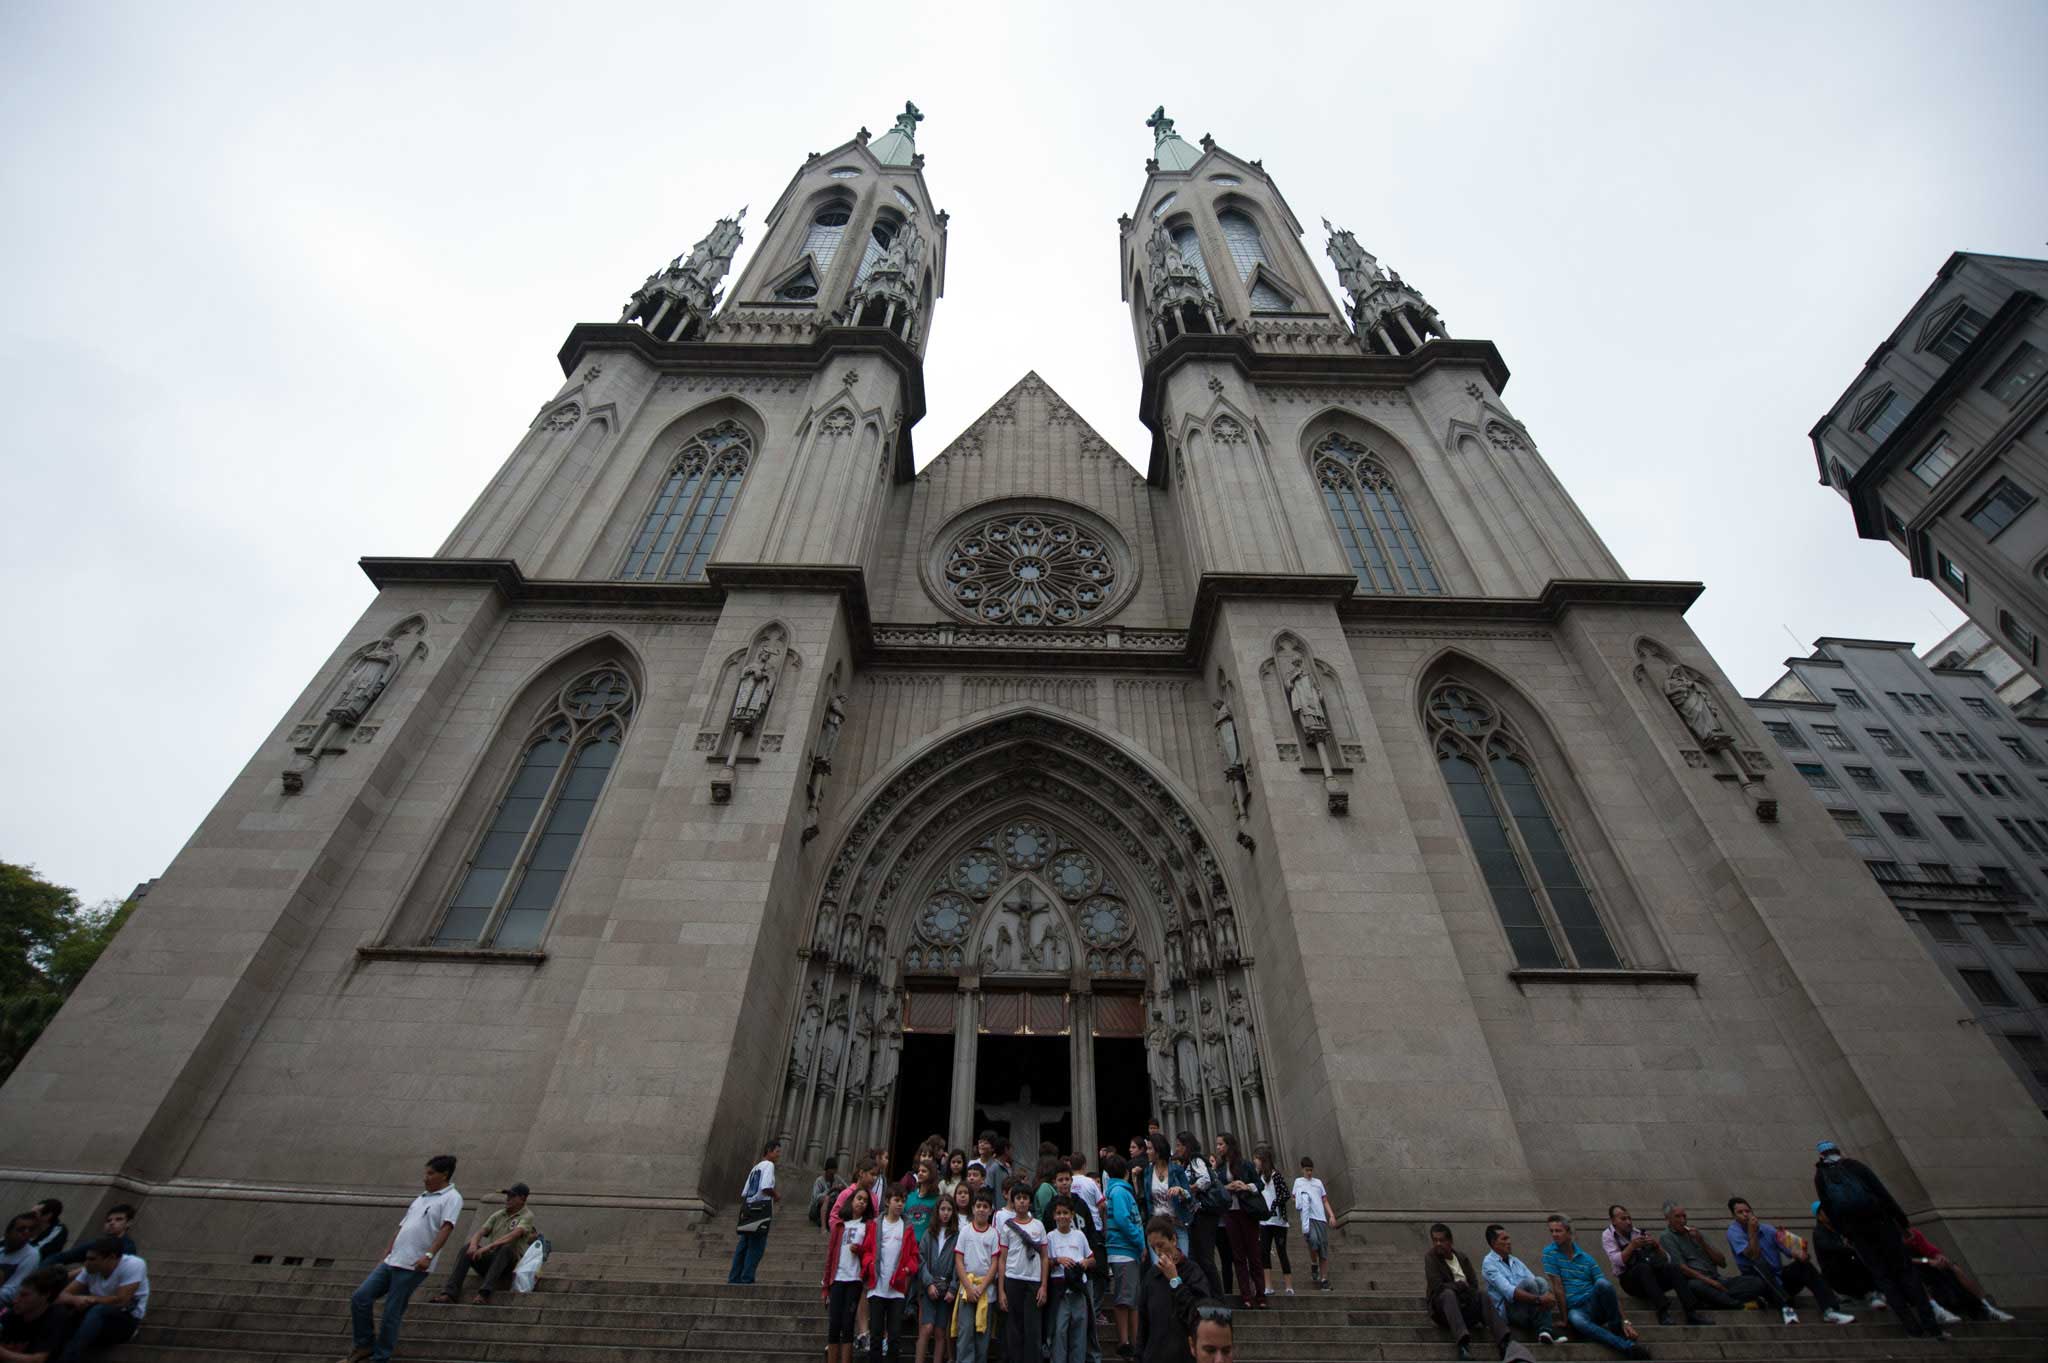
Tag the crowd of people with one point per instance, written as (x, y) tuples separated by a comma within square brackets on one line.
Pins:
[(1145, 1254), (59, 1304)]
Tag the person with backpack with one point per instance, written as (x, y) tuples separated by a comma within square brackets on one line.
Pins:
[(1212, 1199), (825, 1190), (1863, 1211), (1124, 1241), (757, 1206)]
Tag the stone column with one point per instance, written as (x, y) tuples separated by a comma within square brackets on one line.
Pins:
[(960, 1122), (1081, 1068)]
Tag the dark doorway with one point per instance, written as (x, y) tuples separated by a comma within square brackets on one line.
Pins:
[(1123, 1091), (1005, 1067), (924, 1095)]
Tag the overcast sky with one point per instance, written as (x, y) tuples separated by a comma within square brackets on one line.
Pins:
[(283, 285)]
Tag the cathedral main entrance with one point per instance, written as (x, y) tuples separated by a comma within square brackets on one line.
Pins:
[(1024, 931)]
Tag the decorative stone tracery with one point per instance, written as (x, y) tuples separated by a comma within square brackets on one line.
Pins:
[(1034, 855), (1030, 568)]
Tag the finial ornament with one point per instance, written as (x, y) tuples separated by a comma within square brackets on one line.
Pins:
[(685, 294), (1161, 125), (907, 121), (1389, 315)]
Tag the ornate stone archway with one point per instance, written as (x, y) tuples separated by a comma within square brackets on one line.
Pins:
[(1026, 873)]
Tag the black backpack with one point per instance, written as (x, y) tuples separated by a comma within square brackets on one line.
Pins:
[(1847, 1197)]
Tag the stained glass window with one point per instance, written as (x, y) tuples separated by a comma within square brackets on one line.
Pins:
[(1544, 903), (509, 888), (1371, 522), (691, 507), (1190, 248), (1030, 569)]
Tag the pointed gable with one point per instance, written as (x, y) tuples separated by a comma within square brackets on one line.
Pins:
[(1030, 423)]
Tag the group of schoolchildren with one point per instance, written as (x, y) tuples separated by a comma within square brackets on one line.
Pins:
[(58, 1305), (988, 1263)]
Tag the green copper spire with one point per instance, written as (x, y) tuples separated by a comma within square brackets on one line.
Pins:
[(1167, 147), (897, 146)]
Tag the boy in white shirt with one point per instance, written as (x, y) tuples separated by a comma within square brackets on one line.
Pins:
[(1068, 1252), (1023, 1275), (977, 1256), (1313, 1201), (427, 1224), (111, 1297)]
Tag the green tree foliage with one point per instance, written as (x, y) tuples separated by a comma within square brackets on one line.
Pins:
[(48, 940)]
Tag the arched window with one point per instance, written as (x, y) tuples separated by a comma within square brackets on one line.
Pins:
[(887, 225), (509, 888), (821, 243), (1372, 524), (1190, 248), (682, 527), (1543, 901), (1247, 253)]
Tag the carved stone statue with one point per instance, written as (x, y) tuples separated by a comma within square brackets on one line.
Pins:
[(1176, 961), (1055, 953), (849, 940), (1159, 1058), (829, 727), (857, 1057), (1305, 698), (1689, 696), (1198, 947), (756, 689), (1243, 1054), (821, 940), (1226, 931), (871, 963), (366, 681), (834, 1041), (1226, 737), (805, 1052), (1189, 1062), (888, 1051)]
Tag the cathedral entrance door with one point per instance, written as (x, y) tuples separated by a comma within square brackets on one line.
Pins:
[(1023, 1089)]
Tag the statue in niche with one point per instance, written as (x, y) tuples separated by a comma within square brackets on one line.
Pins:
[(1212, 1048), (1198, 943), (1159, 1057), (1305, 698), (1176, 962), (1025, 935), (871, 964), (1689, 696), (828, 730), (888, 1052), (1226, 931), (366, 681), (1243, 1054), (756, 689), (849, 940), (1187, 1058), (821, 940), (804, 1052), (834, 1042), (857, 1058), (1055, 953), (1226, 738)]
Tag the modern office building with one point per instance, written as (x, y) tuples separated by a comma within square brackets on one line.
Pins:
[(1939, 445), (1971, 648), (1943, 792)]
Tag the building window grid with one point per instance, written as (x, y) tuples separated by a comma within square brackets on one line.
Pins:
[(1371, 520), (1952, 575), (2005, 503), (1985, 985), (2016, 375), (1786, 733), (1902, 824), (1996, 928), (1885, 417), (689, 513), (2020, 636), (1940, 457), (1918, 780), (2018, 747), (1833, 738), (1851, 823), (1958, 827), (1978, 706), (1851, 699), (513, 879), (1955, 338), (1864, 778), (1544, 903), (1941, 926), (1938, 873), (1887, 742), (1816, 775)]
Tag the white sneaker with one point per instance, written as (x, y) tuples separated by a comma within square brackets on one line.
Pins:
[(1543, 1337), (1838, 1317), (1290, 1291), (1876, 1300), (1944, 1316), (1791, 1316), (1998, 1315)]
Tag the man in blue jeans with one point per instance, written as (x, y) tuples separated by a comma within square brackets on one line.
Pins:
[(426, 1226), (757, 1204), (1590, 1301)]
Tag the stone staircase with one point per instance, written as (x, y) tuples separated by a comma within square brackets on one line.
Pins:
[(671, 1304)]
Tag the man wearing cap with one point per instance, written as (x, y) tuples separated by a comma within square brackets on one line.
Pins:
[(1864, 1212), (493, 1248)]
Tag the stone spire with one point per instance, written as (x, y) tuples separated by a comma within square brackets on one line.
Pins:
[(676, 302), (897, 147), (1389, 316), (1169, 151)]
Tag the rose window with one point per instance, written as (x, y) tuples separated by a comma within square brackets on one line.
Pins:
[(977, 874), (1074, 875), (1027, 845), (1030, 570), (945, 919), (1104, 922)]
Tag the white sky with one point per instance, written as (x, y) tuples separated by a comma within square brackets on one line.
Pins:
[(284, 285)]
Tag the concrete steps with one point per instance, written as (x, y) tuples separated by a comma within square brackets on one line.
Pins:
[(678, 1307)]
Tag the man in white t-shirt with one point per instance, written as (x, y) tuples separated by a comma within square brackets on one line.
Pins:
[(976, 1255), (1023, 1275), (1070, 1257), (112, 1295), (1313, 1201), (757, 1199), (426, 1226)]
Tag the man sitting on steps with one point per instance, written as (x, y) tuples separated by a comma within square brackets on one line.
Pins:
[(1643, 1269), (1458, 1298), (493, 1248), (1701, 1263)]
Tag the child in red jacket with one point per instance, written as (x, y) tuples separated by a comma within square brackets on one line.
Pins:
[(888, 1261), (845, 1275)]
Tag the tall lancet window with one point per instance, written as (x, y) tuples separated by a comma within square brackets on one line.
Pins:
[(696, 497), (821, 243), (1543, 901), (880, 237), (1247, 253), (1372, 524), (509, 888), (1190, 248)]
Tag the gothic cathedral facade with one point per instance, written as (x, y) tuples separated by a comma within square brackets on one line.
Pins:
[(725, 775)]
